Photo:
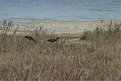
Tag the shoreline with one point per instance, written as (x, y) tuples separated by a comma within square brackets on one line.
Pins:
[(55, 20)]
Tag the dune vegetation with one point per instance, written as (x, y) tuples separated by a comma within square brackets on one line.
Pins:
[(96, 56)]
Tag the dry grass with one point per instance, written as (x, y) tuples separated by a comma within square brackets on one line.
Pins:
[(98, 59)]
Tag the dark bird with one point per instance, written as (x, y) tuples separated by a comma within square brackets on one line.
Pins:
[(83, 37), (53, 39), (30, 38)]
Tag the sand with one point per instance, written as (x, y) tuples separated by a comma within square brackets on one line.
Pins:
[(59, 27)]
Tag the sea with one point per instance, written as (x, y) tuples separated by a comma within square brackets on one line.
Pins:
[(63, 10)]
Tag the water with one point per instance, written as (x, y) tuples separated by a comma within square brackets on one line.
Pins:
[(68, 10)]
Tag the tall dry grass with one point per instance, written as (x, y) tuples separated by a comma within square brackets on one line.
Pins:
[(97, 59)]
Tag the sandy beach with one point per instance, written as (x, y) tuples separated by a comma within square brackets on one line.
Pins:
[(59, 27)]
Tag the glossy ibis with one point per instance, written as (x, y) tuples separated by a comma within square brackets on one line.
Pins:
[(30, 38), (53, 39)]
